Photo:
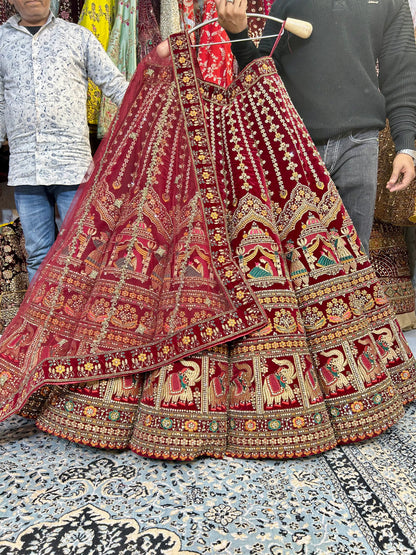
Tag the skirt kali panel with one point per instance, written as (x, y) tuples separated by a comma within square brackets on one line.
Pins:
[(328, 364)]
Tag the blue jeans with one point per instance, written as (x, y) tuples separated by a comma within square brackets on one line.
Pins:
[(36, 208), (352, 161)]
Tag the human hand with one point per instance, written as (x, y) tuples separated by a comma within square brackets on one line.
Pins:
[(162, 49), (232, 15), (402, 174)]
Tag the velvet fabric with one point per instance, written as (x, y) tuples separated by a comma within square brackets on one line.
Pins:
[(13, 273), (207, 294)]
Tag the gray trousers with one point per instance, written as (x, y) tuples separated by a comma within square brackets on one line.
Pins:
[(352, 161)]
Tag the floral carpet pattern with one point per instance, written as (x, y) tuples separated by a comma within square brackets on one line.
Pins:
[(62, 498)]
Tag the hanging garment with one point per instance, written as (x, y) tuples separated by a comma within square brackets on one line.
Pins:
[(122, 49), (399, 207), (13, 274), (148, 32), (6, 11), (170, 18), (412, 4), (207, 294), (216, 60), (55, 7), (256, 24), (98, 17), (70, 9), (390, 258), (187, 14)]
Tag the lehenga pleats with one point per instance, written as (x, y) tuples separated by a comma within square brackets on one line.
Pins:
[(226, 306)]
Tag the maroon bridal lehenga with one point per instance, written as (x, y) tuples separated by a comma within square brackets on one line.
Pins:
[(207, 294)]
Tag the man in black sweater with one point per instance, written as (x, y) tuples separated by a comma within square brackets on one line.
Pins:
[(357, 68)]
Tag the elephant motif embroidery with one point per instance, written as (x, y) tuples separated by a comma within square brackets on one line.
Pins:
[(276, 386), (122, 389), (367, 364), (218, 390), (241, 392), (177, 388), (384, 342), (332, 371)]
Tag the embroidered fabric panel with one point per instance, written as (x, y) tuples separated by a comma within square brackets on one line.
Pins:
[(389, 256), (70, 9), (215, 61), (13, 276), (396, 209), (148, 32), (6, 11), (242, 213), (98, 17), (122, 50)]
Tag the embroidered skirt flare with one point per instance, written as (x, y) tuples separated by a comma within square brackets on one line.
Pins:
[(208, 294)]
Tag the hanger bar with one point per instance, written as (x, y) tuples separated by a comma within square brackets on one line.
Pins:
[(208, 21), (259, 37), (298, 27)]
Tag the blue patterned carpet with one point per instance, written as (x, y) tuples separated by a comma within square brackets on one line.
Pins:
[(60, 498)]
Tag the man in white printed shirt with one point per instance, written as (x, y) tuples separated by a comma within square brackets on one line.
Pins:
[(45, 63)]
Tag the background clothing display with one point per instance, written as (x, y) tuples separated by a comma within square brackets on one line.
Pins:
[(148, 32), (70, 10), (389, 257), (6, 11), (98, 17), (13, 274), (122, 50), (396, 208)]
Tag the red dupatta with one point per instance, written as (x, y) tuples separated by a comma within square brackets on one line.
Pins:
[(118, 293)]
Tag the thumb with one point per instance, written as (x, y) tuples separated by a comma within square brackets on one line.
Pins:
[(394, 177)]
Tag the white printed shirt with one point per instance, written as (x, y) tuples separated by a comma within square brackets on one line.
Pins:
[(43, 99)]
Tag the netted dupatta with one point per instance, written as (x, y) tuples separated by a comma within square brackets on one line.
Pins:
[(141, 273)]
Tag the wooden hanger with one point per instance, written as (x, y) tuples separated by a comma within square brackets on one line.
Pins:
[(298, 27)]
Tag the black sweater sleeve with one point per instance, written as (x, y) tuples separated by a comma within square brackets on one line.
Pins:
[(357, 98), (245, 51), (397, 77)]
